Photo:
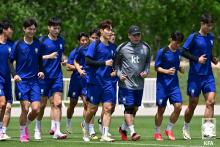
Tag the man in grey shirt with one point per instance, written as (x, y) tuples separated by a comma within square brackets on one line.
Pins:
[(132, 64)]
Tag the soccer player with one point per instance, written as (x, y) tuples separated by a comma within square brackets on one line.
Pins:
[(167, 64), (198, 49), (52, 85), (94, 35), (8, 31), (100, 90), (132, 64), (28, 56), (5, 78)]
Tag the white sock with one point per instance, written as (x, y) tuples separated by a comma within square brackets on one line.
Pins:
[(186, 126), (157, 129), (105, 131), (68, 123), (52, 124), (86, 126), (91, 129), (124, 126), (131, 128), (38, 125), (57, 126), (169, 126), (28, 122), (4, 129), (22, 130), (1, 123)]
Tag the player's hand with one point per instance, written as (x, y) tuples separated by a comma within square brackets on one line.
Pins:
[(202, 59), (109, 62), (82, 73), (215, 60), (144, 74), (63, 62), (17, 78), (113, 74), (123, 77), (182, 69), (53, 55), (40, 75), (171, 71)]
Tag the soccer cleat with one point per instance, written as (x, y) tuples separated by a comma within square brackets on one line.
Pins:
[(123, 134), (94, 137), (208, 129), (6, 136), (52, 131), (59, 136), (135, 137), (23, 138), (107, 139), (186, 134), (170, 134), (85, 133), (158, 137), (27, 133), (37, 135), (2, 137)]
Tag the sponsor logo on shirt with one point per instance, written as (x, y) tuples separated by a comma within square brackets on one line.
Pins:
[(9, 49), (36, 50), (61, 46), (42, 91), (135, 59)]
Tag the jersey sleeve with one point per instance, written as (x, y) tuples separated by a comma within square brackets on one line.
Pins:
[(188, 43), (91, 50), (13, 52), (71, 57), (158, 60)]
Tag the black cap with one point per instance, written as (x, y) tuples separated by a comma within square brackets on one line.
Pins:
[(134, 30)]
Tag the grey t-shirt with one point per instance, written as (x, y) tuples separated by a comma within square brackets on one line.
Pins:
[(132, 59)]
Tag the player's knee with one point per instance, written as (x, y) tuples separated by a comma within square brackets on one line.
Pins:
[(35, 110), (129, 109), (2, 103), (193, 105), (178, 108), (108, 109), (210, 102), (58, 103)]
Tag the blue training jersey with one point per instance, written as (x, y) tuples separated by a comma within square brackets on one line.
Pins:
[(166, 60), (102, 74), (5, 50), (70, 60), (198, 45), (27, 58), (52, 67)]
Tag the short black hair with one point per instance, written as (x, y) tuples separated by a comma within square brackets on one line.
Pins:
[(207, 18), (177, 36), (105, 24), (95, 30), (82, 34), (54, 21), (6, 24), (29, 22), (1, 28)]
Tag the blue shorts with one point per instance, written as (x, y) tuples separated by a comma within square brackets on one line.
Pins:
[(130, 97), (28, 89), (198, 83), (6, 90), (77, 87), (49, 86), (165, 93), (101, 94)]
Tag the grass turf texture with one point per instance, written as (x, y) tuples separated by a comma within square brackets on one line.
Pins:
[(144, 126)]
